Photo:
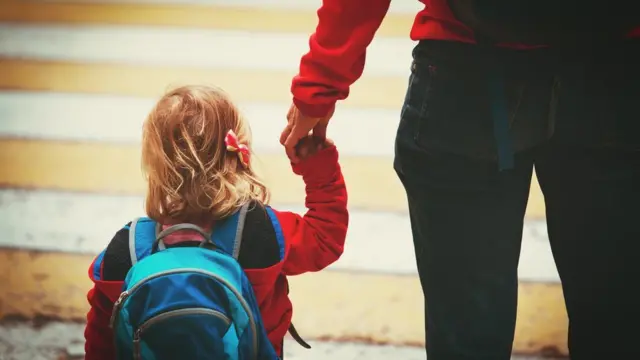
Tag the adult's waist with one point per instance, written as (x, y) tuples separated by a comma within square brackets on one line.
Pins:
[(437, 22), (472, 57)]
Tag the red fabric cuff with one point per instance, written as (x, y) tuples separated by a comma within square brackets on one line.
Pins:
[(313, 110), (319, 167)]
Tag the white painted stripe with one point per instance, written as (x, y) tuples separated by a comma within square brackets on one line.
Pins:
[(408, 7), (57, 116), (184, 47), (71, 222)]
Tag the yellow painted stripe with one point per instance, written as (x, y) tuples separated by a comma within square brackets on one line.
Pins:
[(218, 17), (98, 167), (122, 79), (115, 168), (328, 305)]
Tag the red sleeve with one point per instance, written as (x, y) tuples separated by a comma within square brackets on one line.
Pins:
[(98, 335), (316, 240), (336, 54)]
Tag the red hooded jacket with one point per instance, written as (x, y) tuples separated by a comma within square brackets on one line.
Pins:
[(337, 53), (312, 242)]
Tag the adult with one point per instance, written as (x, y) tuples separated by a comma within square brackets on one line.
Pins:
[(478, 115)]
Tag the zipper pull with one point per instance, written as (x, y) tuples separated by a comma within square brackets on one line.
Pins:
[(116, 308), (136, 345)]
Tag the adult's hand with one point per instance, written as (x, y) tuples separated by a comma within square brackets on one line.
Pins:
[(299, 126)]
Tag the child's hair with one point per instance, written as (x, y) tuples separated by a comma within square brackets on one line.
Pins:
[(192, 177)]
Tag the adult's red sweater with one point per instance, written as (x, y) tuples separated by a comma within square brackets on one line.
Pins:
[(336, 57), (311, 243)]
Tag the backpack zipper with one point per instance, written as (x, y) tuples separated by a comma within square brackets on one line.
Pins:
[(116, 308), (125, 294), (167, 315)]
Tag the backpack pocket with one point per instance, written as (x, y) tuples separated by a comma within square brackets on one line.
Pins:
[(199, 332), (170, 311)]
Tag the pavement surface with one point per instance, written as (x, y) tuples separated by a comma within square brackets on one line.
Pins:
[(64, 341)]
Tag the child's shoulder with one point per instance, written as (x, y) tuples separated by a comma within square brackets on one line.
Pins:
[(116, 261), (261, 246)]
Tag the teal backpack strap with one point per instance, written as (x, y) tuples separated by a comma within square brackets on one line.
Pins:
[(242, 216), (227, 233), (158, 243), (142, 234), (145, 235)]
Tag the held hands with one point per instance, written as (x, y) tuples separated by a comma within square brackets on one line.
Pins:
[(300, 127), (310, 145)]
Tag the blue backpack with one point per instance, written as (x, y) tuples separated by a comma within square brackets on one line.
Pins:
[(189, 302)]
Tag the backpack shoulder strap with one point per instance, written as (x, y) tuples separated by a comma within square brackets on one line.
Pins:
[(142, 234), (227, 234), (277, 228)]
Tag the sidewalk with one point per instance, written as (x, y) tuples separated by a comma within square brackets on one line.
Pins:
[(61, 341)]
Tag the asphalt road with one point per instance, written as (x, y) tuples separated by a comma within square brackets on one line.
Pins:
[(62, 341)]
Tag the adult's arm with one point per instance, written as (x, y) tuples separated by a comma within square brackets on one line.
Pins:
[(336, 54)]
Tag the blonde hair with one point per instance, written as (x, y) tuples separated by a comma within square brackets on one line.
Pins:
[(191, 175)]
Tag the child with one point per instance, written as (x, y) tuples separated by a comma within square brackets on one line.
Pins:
[(199, 171)]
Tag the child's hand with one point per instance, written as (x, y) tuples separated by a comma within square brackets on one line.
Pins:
[(310, 145)]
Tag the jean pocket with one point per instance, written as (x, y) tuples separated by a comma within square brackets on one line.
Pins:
[(415, 101), (453, 114)]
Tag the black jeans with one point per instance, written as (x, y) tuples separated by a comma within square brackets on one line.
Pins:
[(579, 125)]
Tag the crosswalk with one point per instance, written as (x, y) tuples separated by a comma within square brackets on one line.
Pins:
[(77, 79), (63, 341)]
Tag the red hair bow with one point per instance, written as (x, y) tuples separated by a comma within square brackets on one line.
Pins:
[(234, 145)]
